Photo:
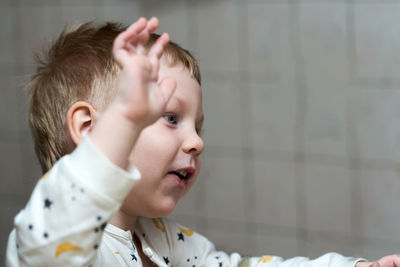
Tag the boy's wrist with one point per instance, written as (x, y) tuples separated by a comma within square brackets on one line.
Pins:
[(115, 135), (123, 114)]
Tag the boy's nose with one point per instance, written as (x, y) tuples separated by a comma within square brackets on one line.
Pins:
[(193, 144)]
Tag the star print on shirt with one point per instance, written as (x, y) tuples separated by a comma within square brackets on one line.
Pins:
[(166, 260), (181, 237), (47, 203), (133, 257), (100, 228)]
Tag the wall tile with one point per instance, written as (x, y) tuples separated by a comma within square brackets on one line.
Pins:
[(9, 107), (318, 245), (285, 246), (125, 12), (381, 214), (322, 36), (328, 199), (273, 116), (217, 35), (275, 193), (31, 170), (222, 108), (36, 3), (326, 117), (174, 18), (268, 38), (71, 15), (7, 36), (223, 184), (230, 241), (374, 124), (323, 46), (10, 166), (374, 249), (22, 102), (9, 207), (376, 41), (38, 26), (78, 2)]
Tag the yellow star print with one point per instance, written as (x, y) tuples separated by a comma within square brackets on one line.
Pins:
[(265, 259)]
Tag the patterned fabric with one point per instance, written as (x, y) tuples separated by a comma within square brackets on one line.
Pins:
[(65, 224)]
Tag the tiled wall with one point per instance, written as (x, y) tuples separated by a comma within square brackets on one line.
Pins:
[(302, 131)]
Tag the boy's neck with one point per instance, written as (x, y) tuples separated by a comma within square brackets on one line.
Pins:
[(124, 221)]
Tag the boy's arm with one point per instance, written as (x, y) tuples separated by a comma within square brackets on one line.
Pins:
[(211, 257), (63, 221), (140, 100), (387, 261), (187, 246)]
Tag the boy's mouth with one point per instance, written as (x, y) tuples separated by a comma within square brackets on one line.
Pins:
[(184, 174)]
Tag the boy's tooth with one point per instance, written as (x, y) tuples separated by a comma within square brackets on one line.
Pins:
[(182, 172)]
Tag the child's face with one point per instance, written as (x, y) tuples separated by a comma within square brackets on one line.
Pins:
[(168, 149)]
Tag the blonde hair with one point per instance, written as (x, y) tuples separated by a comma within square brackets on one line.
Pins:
[(79, 66)]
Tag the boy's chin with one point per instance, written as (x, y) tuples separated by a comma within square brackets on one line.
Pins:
[(152, 210), (163, 210)]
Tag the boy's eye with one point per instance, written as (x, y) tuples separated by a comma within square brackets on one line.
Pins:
[(171, 118)]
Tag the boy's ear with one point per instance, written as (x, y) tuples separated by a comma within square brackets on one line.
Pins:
[(81, 117)]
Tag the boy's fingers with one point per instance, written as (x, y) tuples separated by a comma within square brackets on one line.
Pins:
[(127, 37), (167, 88), (134, 30), (136, 35), (140, 31), (156, 52), (144, 36), (152, 24), (129, 33), (375, 264), (157, 48)]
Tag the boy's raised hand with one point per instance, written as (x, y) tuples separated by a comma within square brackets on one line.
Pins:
[(141, 98)]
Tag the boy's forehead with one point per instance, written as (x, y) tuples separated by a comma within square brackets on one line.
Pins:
[(188, 98), (167, 65)]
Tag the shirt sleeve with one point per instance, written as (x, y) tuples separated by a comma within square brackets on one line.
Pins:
[(192, 249), (63, 221)]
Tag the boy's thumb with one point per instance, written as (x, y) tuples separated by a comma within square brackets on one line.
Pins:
[(167, 88)]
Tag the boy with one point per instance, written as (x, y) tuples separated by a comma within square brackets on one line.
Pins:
[(111, 118)]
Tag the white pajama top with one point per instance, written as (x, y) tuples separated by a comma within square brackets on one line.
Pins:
[(65, 224)]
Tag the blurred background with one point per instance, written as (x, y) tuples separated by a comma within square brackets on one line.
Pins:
[(302, 105)]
